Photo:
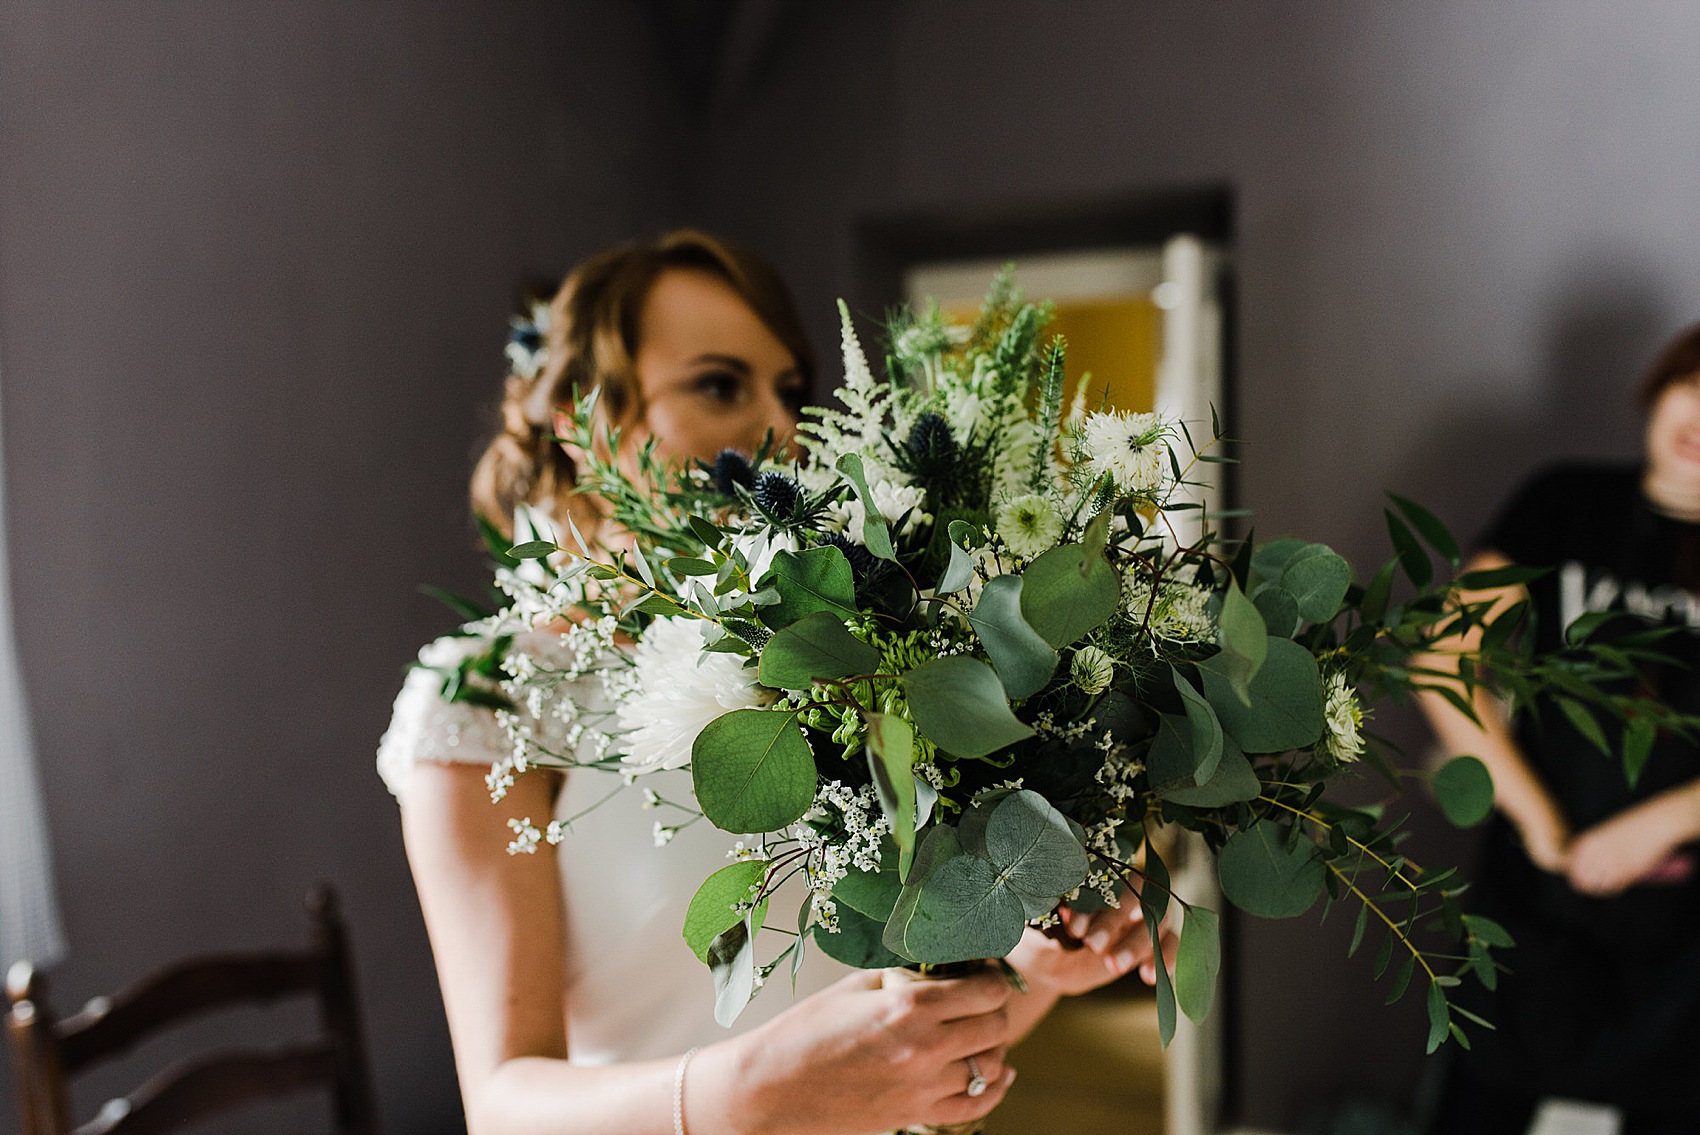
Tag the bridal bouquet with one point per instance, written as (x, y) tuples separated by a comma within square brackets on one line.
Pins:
[(956, 662)]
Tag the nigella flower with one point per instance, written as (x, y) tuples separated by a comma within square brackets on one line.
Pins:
[(678, 689), (1092, 670), (777, 495), (1344, 720), (1029, 524), (1180, 612), (1128, 448), (732, 471)]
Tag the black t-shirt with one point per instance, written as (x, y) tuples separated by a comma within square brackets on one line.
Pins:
[(1603, 998)]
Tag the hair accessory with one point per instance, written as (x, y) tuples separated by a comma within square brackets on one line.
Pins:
[(679, 1092), (976, 1083)]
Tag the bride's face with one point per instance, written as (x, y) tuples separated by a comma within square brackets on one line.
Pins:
[(711, 376)]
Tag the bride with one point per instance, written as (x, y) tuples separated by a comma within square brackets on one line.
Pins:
[(573, 1002)]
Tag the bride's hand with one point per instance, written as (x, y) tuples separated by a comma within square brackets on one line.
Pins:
[(1091, 950), (858, 1057)]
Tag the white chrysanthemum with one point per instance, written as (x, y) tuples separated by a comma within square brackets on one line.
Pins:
[(1092, 670), (1344, 719), (1127, 447), (1029, 524), (1180, 612), (892, 497), (677, 690)]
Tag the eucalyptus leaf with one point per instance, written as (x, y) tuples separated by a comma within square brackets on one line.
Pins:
[(958, 571), (1430, 526), (1197, 962), (1464, 789), (1036, 854), (872, 893), (857, 943), (1023, 660), (817, 646), (1233, 781), (1279, 609), (1412, 558), (1439, 1020), (533, 550), (957, 913), (876, 534), (891, 761), (1206, 729), (753, 771), (960, 705), (712, 910), (1285, 711), (1243, 638), (1263, 874), (1067, 592), (815, 579), (1317, 578), (1637, 747)]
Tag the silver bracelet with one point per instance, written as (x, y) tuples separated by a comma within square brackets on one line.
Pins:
[(679, 1092)]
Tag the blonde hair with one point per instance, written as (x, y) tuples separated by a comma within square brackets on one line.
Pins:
[(591, 344)]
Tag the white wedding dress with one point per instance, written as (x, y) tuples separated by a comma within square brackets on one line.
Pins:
[(635, 990)]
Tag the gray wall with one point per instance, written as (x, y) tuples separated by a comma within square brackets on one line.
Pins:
[(255, 261), (1462, 229)]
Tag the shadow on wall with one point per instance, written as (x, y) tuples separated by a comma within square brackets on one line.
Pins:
[(1576, 401)]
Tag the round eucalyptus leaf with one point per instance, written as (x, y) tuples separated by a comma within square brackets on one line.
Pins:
[(1243, 637), (872, 893), (753, 770), (1317, 578), (1464, 789), (1279, 609), (960, 705), (1067, 592), (1233, 781), (815, 579), (1264, 874), (958, 913), (1036, 853), (711, 911), (1023, 660), (1286, 700)]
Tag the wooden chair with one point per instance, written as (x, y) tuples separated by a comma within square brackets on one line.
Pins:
[(51, 1051)]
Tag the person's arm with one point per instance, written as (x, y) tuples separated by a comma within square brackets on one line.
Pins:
[(1638, 844), (851, 1059), (1518, 791)]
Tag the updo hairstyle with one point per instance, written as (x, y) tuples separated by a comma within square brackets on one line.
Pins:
[(592, 344), (1678, 362)]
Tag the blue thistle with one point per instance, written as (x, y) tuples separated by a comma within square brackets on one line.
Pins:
[(932, 449), (732, 471), (776, 495)]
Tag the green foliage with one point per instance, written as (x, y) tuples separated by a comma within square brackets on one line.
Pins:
[(1266, 872), (816, 647), (718, 904), (817, 579), (1067, 592), (1023, 660), (753, 771), (960, 705), (1464, 791)]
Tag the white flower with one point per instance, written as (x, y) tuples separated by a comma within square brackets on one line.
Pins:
[(1029, 524), (1344, 719), (678, 689), (892, 498), (1092, 670), (1180, 612), (1127, 447)]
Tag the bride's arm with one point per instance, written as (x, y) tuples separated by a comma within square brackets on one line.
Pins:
[(854, 1058)]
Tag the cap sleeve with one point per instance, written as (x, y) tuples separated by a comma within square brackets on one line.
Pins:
[(424, 726)]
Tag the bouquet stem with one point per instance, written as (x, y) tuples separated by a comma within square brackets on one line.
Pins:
[(924, 972)]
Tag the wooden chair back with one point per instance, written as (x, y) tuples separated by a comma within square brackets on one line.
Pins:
[(52, 1051)]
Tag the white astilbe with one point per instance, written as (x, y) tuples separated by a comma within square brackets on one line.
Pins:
[(831, 856), (1344, 719), (1180, 612), (828, 433), (675, 689)]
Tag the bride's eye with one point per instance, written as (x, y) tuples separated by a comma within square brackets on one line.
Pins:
[(794, 396), (719, 386)]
